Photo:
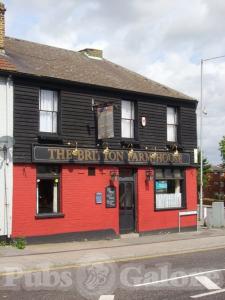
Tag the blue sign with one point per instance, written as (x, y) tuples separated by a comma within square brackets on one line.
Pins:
[(98, 198), (161, 185)]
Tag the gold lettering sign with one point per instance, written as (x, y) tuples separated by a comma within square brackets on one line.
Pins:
[(51, 151), (60, 154), (96, 156), (69, 154)]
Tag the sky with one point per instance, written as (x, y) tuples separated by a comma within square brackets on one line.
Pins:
[(164, 40)]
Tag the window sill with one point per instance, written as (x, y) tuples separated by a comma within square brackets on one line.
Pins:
[(50, 216), (49, 136), (172, 145), (169, 208), (127, 141)]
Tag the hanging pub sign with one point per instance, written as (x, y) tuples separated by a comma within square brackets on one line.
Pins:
[(110, 196), (105, 122), (60, 154)]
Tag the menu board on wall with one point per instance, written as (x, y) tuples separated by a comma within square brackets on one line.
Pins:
[(110, 196)]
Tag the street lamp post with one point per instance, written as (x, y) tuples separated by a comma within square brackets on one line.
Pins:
[(201, 132)]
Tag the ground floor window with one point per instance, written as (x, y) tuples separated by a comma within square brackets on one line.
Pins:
[(169, 188), (48, 189)]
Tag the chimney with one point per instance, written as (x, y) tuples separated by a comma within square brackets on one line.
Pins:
[(2, 27), (92, 53)]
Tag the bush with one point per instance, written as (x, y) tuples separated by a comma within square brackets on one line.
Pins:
[(19, 243), (3, 243)]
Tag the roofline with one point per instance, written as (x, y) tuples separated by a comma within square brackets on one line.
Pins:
[(148, 79), (184, 98), (28, 75), (41, 44)]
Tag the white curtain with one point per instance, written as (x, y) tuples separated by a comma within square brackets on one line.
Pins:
[(127, 122), (37, 195), (46, 100), (177, 186), (171, 115), (55, 197), (127, 128), (168, 200), (45, 121), (171, 124), (48, 106), (54, 122), (127, 110), (171, 133)]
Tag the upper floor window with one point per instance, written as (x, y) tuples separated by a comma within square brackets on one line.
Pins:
[(172, 123), (48, 111), (127, 119)]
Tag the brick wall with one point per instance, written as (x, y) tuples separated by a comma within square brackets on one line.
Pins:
[(215, 188), (149, 220), (2, 25), (78, 205)]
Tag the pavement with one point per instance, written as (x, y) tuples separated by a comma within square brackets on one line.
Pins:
[(177, 277), (130, 247)]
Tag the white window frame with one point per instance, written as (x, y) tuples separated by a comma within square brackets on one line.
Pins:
[(125, 118), (172, 124), (51, 125)]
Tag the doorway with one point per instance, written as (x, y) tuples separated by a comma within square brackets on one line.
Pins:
[(126, 201)]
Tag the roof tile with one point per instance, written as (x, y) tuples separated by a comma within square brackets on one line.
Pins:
[(47, 61), (5, 64)]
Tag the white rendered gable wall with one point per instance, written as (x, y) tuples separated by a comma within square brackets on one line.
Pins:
[(6, 165)]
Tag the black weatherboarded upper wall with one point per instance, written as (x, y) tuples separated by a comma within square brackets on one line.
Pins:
[(77, 119), (81, 79)]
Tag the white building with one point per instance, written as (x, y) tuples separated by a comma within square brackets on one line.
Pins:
[(6, 152)]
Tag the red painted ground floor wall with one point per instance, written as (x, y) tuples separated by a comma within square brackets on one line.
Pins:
[(149, 219), (79, 207)]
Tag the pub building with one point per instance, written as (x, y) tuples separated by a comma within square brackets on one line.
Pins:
[(99, 150)]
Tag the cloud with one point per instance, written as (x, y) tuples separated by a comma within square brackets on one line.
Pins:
[(161, 39)]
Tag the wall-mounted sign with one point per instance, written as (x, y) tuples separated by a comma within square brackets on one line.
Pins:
[(98, 198), (45, 154), (195, 156), (110, 196), (143, 121), (161, 186), (105, 122)]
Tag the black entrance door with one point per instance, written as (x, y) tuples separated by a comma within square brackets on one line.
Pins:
[(127, 207)]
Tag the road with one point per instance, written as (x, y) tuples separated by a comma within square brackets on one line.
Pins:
[(198, 275)]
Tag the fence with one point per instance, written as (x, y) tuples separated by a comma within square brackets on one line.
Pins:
[(213, 215)]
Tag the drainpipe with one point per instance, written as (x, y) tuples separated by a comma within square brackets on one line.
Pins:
[(5, 150), (6, 161)]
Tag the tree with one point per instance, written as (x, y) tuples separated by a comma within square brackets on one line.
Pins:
[(222, 149), (206, 169)]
